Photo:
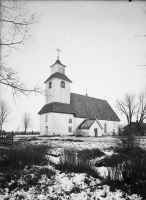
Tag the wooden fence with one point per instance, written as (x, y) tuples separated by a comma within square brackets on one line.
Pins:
[(6, 139)]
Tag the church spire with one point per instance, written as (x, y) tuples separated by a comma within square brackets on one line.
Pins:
[(58, 52)]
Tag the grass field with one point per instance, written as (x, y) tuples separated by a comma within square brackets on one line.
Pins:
[(73, 168)]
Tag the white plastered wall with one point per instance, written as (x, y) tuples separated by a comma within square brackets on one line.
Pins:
[(56, 93), (83, 132), (111, 126), (77, 122), (57, 123)]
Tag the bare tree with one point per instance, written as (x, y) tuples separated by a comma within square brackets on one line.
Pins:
[(127, 106), (4, 113), (16, 23), (141, 109), (26, 121)]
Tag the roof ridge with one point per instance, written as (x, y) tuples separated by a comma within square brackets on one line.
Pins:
[(89, 97)]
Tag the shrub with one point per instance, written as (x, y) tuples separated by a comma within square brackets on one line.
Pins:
[(90, 153), (131, 169), (78, 161), (129, 165), (134, 168), (20, 162), (110, 161), (71, 162), (127, 169), (120, 129), (23, 155), (29, 178), (127, 144)]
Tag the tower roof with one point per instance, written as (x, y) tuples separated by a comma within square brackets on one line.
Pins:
[(58, 62), (60, 76)]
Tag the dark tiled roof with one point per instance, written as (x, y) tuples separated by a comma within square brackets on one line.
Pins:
[(86, 124), (60, 76), (57, 108), (58, 61), (92, 108), (83, 107)]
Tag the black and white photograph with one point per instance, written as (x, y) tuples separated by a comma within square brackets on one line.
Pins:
[(72, 100)]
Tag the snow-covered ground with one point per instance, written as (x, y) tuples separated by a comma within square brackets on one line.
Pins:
[(71, 186), (104, 143), (62, 186)]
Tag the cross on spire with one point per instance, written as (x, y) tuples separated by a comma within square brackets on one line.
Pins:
[(58, 52)]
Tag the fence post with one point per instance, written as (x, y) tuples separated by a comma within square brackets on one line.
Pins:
[(12, 139)]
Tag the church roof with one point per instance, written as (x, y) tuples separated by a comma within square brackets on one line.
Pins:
[(57, 108), (60, 76), (92, 108), (83, 107), (86, 124), (58, 62)]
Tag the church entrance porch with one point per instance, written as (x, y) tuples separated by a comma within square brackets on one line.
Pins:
[(90, 127)]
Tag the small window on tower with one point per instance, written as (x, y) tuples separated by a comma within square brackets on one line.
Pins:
[(50, 85), (62, 84)]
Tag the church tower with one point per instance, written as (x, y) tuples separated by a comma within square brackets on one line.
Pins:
[(58, 84)]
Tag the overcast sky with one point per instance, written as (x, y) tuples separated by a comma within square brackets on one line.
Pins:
[(101, 44)]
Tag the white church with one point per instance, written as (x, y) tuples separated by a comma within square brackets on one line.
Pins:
[(66, 113)]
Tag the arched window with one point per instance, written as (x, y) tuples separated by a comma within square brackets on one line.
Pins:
[(70, 121), (62, 84), (105, 127), (50, 85)]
